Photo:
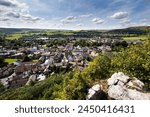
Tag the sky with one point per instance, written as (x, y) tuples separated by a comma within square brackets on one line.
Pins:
[(74, 14)]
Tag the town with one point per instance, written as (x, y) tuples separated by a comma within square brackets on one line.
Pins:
[(42, 55)]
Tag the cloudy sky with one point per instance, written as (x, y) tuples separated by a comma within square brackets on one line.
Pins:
[(74, 14)]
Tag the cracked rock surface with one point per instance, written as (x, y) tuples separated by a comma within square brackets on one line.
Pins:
[(122, 87)]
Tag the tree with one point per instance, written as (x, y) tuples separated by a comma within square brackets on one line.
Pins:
[(74, 87), (2, 88), (99, 68), (148, 33), (134, 61), (2, 61)]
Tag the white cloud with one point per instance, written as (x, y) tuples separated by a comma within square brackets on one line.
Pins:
[(125, 21), (59, 25), (9, 3), (16, 12), (145, 20), (4, 19), (98, 21), (29, 18), (69, 19), (2, 11), (133, 24), (85, 15), (13, 14), (80, 24), (14, 4), (119, 15)]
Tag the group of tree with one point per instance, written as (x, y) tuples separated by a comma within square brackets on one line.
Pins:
[(2, 62), (57, 42)]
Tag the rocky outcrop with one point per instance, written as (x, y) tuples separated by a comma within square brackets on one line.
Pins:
[(123, 87), (120, 87), (31, 78), (96, 93)]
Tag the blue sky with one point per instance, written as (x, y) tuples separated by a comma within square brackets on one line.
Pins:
[(74, 14)]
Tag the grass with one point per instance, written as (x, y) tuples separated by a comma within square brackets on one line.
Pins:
[(44, 45), (18, 35), (14, 36), (59, 32), (144, 37), (10, 60), (29, 34), (35, 60)]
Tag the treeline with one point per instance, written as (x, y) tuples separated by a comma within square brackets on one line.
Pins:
[(133, 61)]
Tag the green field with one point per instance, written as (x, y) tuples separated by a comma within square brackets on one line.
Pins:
[(17, 36), (135, 38), (35, 60), (30, 34), (10, 60)]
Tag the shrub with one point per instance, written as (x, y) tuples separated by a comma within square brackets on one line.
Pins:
[(99, 68), (2, 61), (134, 61), (2, 88), (74, 87)]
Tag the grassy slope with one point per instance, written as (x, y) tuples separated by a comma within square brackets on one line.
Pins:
[(9, 60)]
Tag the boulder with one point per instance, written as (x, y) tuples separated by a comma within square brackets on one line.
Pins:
[(32, 78), (136, 84), (47, 62), (96, 93), (136, 95), (41, 77), (118, 77), (117, 92), (123, 87)]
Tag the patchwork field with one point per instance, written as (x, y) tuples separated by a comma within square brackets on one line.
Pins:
[(10, 60)]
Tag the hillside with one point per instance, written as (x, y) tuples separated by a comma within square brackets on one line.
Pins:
[(13, 30), (134, 61), (19, 30), (126, 30), (131, 30)]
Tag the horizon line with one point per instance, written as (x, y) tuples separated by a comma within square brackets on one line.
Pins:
[(70, 29)]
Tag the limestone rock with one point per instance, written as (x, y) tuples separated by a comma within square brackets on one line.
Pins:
[(117, 77), (32, 78), (122, 87), (136, 84), (41, 77), (136, 95), (96, 93), (118, 92)]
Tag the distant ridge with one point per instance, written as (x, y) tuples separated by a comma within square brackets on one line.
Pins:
[(125, 30), (131, 30), (13, 30)]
